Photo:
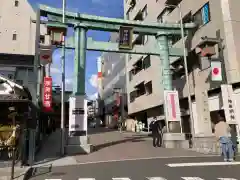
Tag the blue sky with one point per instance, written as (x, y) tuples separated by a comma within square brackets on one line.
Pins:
[(107, 8)]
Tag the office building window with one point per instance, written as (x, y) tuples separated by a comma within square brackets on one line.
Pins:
[(202, 16), (145, 12), (130, 75), (42, 39), (14, 37), (147, 62), (160, 18), (132, 96), (16, 3), (148, 87), (175, 38), (10, 76), (145, 39)]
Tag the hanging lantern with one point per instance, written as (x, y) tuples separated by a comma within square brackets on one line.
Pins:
[(57, 32)]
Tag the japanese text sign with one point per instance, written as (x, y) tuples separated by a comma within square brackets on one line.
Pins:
[(47, 94)]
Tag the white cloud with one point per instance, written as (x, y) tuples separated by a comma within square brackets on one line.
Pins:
[(55, 70), (69, 84), (93, 80)]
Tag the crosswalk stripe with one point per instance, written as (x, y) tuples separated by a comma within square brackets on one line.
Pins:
[(53, 179), (226, 179), (156, 178), (86, 178), (192, 178), (121, 178)]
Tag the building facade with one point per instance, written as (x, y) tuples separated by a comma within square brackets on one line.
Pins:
[(217, 25), (17, 42), (113, 83)]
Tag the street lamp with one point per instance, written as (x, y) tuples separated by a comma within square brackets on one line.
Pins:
[(185, 67)]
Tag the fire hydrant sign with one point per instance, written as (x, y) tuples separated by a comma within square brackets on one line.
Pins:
[(45, 55), (171, 106), (47, 94)]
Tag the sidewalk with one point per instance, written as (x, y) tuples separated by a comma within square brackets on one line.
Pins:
[(109, 145), (19, 173)]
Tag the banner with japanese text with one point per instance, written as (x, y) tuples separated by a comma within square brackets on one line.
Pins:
[(47, 94)]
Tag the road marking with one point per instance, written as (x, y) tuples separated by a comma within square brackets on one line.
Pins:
[(226, 179), (156, 178), (121, 178), (147, 158), (203, 164), (192, 178), (86, 178), (53, 179)]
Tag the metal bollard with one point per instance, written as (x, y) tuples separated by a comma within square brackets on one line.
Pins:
[(32, 138), (13, 163)]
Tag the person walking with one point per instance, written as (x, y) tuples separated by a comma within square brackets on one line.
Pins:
[(157, 133), (223, 135)]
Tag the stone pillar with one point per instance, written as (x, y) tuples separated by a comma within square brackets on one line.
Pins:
[(78, 140), (173, 138)]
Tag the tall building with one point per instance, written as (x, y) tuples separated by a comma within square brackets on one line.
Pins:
[(217, 28), (113, 83), (17, 41)]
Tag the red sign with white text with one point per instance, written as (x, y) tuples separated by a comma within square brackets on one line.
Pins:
[(47, 94)]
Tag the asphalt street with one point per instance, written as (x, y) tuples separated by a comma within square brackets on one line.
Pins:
[(158, 168)]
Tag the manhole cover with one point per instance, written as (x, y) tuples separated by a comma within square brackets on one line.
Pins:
[(57, 173)]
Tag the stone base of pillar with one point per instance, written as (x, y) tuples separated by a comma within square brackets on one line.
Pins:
[(206, 144), (78, 145), (175, 140)]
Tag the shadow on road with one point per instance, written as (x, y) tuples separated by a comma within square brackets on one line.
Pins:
[(99, 130), (127, 139)]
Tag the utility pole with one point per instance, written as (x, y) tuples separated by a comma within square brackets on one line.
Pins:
[(186, 74), (63, 85), (37, 71)]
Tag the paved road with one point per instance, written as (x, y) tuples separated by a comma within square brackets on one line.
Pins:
[(145, 169)]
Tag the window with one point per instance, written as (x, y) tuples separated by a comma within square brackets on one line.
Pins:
[(10, 76), (20, 82), (145, 12), (14, 37), (130, 75), (202, 16), (42, 39), (132, 96), (145, 39), (148, 87), (175, 38), (16, 3), (162, 16), (147, 62), (140, 89)]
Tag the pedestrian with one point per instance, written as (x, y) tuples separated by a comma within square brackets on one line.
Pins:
[(223, 135), (157, 133)]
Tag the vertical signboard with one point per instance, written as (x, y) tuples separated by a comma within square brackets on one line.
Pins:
[(171, 106), (47, 94), (125, 37), (229, 104), (77, 116)]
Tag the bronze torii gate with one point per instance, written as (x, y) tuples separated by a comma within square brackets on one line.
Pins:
[(82, 23)]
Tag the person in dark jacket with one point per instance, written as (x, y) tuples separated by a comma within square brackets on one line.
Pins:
[(157, 133)]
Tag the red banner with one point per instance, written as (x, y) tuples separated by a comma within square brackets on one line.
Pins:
[(47, 94)]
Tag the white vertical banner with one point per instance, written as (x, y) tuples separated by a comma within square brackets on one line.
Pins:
[(229, 103), (171, 106), (77, 114)]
